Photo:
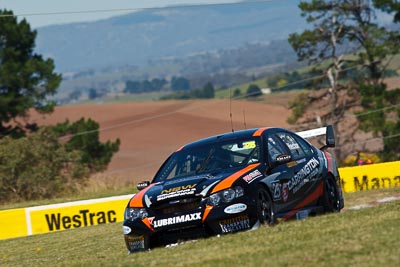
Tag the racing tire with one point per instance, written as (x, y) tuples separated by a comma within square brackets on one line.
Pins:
[(265, 207), (330, 197)]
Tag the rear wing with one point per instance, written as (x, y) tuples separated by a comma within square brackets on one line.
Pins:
[(327, 131)]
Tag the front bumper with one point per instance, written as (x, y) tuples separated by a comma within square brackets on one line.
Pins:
[(202, 221)]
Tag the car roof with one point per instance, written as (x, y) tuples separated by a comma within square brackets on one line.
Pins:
[(248, 133)]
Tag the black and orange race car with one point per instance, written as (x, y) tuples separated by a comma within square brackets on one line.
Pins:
[(232, 182)]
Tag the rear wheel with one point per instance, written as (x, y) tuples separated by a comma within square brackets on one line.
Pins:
[(265, 207), (331, 198)]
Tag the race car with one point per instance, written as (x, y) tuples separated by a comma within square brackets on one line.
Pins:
[(233, 182)]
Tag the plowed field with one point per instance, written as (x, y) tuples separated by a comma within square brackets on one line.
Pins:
[(150, 131)]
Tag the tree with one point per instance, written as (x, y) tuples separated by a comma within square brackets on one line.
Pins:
[(26, 79), (132, 87), (322, 43), (83, 136), (180, 83), (389, 6), (253, 91), (336, 26), (208, 90), (92, 94), (236, 93)]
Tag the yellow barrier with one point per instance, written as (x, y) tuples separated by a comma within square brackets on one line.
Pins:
[(50, 218), (57, 217), (13, 223), (368, 177)]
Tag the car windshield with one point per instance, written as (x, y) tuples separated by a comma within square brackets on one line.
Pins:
[(210, 158)]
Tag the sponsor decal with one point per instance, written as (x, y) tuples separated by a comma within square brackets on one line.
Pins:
[(136, 242), (186, 179), (298, 180), (147, 201), (252, 176), (277, 190), (285, 192), (126, 230), (301, 160), (143, 185), (176, 220), (293, 146), (56, 221), (249, 144), (183, 190), (283, 157), (291, 164), (235, 208), (235, 224), (281, 191)]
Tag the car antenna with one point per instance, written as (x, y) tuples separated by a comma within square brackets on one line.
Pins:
[(230, 108), (244, 119)]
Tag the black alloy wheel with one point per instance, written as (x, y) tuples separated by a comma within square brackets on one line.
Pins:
[(265, 207), (330, 198)]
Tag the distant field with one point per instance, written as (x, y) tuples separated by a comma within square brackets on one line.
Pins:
[(151, 131), (367, 237)]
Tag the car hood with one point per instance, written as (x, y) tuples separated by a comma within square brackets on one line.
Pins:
[(186, 187)]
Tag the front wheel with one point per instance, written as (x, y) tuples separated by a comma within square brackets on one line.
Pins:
[(330, 197), (265, 207)]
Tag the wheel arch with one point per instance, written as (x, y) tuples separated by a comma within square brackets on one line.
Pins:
[(263, 183)]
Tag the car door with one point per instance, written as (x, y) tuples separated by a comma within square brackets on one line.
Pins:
[(278, 156), (304, 166)]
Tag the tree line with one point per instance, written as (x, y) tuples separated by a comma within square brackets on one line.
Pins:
[(156, 85)]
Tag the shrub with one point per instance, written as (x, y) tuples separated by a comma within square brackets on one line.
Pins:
[(38, 166)]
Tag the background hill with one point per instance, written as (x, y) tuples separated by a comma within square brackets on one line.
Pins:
[(141, 37)]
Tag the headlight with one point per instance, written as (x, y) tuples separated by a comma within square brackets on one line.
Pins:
[(134, 213), (225, 196), (228, 195)]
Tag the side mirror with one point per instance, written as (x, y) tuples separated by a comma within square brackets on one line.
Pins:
[(330, 136), (281, 159), (142, 185)]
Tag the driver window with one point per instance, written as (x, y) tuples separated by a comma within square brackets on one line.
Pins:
[(274, 148), (295, 149)]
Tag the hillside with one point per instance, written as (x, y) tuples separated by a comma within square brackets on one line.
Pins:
[(146, 35), (150, 131)]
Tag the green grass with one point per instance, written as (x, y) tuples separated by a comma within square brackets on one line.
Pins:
[(368, 237)]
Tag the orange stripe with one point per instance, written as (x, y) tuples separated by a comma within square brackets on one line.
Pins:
[(227, 182), (260, 131), (137, 200), (180, 148), (206, 212), (313, 196), (147, 223)]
